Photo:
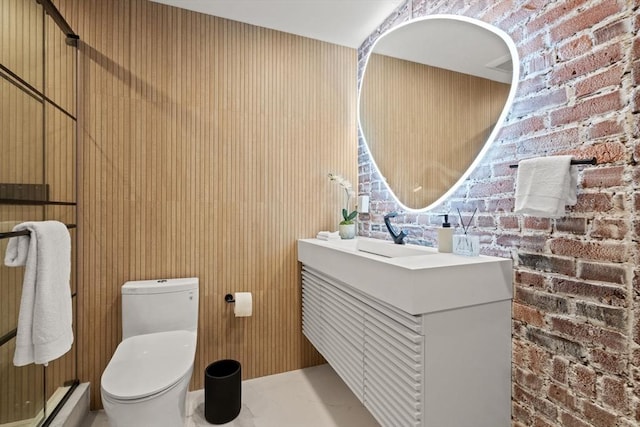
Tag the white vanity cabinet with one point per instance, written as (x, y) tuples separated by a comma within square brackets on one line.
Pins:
[(443, 368)]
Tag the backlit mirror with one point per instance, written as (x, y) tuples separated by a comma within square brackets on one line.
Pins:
[(433, 95)]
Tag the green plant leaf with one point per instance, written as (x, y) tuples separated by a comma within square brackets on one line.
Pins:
[(345, 215), (351, 216)]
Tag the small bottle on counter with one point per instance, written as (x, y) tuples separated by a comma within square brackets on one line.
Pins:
[(445, 236)]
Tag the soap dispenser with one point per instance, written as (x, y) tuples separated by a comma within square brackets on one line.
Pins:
[(445, 236)]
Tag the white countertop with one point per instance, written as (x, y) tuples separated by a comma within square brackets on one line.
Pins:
[(416, 284)]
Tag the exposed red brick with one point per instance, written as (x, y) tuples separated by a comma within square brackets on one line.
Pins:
[(609, 229), (529, 278), (509, 222), (516, 18), (533, 223), (542, 405), (608, 152), (593, 84), (574, 47), (593, 202), (539, 360), (485, 221), (586, 18), (613, 252), (556, 140), (491, 188), (583, 380), (585, 64), (522, 127), (541, 422), (542, 300), (612, 317), (614, 393), (573, 225), (481, 172), (603, 177), (602, 272), (561, 396), (553, 15), (532, 45), (555, 343), (469, 205), (497, 11), (539, 102), (532, 84), (587, 108), (504, 169), (518, 352), (505, 204), (605, 128), (547, 263), (611, 31), (607, 361), (598, 416), (519, 413), (611, 295), (527, 379), (569, 420), (559, 369), (536, 243), (589, 333), (533, 243)]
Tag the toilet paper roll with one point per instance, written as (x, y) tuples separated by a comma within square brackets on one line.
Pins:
[(244, 304)]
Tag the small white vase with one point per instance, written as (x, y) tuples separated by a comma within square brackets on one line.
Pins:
[(347, 231)]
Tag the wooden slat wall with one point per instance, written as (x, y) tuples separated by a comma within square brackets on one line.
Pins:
[(407, 112), (205, 148)]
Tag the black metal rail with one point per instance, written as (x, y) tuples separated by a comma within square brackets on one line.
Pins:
[(54, 13), (591, 161), (24, 232)]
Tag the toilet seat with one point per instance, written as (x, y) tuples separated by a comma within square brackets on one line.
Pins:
[(145, 365)]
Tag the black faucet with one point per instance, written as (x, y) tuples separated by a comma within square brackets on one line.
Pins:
[(398, 238)]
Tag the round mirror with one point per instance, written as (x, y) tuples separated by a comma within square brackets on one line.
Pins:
[(433, 95)]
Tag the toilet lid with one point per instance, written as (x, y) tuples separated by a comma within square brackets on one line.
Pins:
[(144, 365)]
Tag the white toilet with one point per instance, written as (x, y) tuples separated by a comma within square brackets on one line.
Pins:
[(146, 381)]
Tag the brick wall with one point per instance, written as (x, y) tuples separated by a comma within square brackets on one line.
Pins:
[(576, 310)]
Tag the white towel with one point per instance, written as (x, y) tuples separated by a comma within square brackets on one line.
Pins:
[(327, 235), (545, 185), (44, 330)]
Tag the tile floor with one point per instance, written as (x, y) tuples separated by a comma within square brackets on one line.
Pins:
[(311, 397)]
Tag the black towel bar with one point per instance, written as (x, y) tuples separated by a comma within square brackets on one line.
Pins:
[(591, 161), (24, 232)]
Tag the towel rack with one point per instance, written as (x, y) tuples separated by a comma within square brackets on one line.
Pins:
[(24, 232), (591, 161)]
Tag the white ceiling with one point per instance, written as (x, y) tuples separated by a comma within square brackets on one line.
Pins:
[(342, 22)]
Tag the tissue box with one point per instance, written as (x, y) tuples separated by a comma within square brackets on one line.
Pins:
[(464, 244)]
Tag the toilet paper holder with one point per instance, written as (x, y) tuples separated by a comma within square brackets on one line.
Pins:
[(228, 298)]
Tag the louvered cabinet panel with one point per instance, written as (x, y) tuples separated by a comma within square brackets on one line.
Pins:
[(393, 370), (332, 320)]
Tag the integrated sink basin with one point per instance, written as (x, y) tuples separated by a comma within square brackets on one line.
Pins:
[(412, 278), (389, 249)]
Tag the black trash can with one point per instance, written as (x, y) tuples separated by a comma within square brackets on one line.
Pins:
[(222, 391)]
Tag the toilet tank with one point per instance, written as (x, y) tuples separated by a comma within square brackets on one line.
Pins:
[(159, 305)]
